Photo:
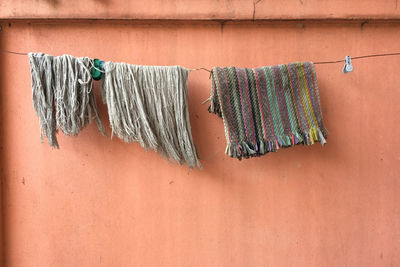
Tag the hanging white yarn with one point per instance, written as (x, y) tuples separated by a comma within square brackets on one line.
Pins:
[(62, 94), (148, 104)]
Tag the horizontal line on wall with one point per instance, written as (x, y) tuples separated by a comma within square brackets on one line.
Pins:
[(199, 21)]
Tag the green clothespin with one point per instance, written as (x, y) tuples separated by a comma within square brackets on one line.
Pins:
[(96, 74)]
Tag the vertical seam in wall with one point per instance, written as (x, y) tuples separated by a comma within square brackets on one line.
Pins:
[(2, 165)]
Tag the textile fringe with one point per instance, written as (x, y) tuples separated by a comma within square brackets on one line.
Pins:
[(248, 149), (62, 95), (148, 104), (214, 101)]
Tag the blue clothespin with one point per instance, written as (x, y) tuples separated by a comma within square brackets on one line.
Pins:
[(347, 65)]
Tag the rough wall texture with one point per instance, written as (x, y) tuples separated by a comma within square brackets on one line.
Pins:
[(201, 10), (100, 202)]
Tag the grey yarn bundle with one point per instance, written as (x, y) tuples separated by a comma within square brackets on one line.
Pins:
[(62, 94), (148, 104)]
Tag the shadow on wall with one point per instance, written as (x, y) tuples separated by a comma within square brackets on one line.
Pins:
[(56, 3), (2, 158)]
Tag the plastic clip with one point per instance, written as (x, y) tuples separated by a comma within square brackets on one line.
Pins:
[(347, 65)]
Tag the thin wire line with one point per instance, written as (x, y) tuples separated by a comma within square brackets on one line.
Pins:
[(359, 57), (201, 68), (12, 52)]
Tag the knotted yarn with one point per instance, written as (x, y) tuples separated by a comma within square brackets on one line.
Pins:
[(62, 94), (148, 104), (264, 109)]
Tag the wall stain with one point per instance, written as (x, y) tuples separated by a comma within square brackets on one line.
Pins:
[(53, 3), (362, 24)]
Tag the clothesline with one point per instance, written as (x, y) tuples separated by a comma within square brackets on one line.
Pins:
[(205, 69), (263, 109)]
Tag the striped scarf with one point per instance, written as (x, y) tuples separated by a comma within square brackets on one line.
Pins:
[(264, 109)]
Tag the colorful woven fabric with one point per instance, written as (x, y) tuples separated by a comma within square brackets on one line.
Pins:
[(264, 109)]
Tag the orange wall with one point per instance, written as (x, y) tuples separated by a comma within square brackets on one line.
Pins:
[(201, 9), (100, 202)]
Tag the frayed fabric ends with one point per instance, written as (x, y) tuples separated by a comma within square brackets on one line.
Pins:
[(62, 95), (148, 105)]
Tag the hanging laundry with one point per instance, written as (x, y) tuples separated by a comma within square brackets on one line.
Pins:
[(62, 95), (266, 108), (148, 104)]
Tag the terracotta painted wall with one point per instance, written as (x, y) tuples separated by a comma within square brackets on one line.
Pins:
[(100, 202)]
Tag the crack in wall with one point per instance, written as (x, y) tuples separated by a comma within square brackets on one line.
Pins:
[(255, 2)]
